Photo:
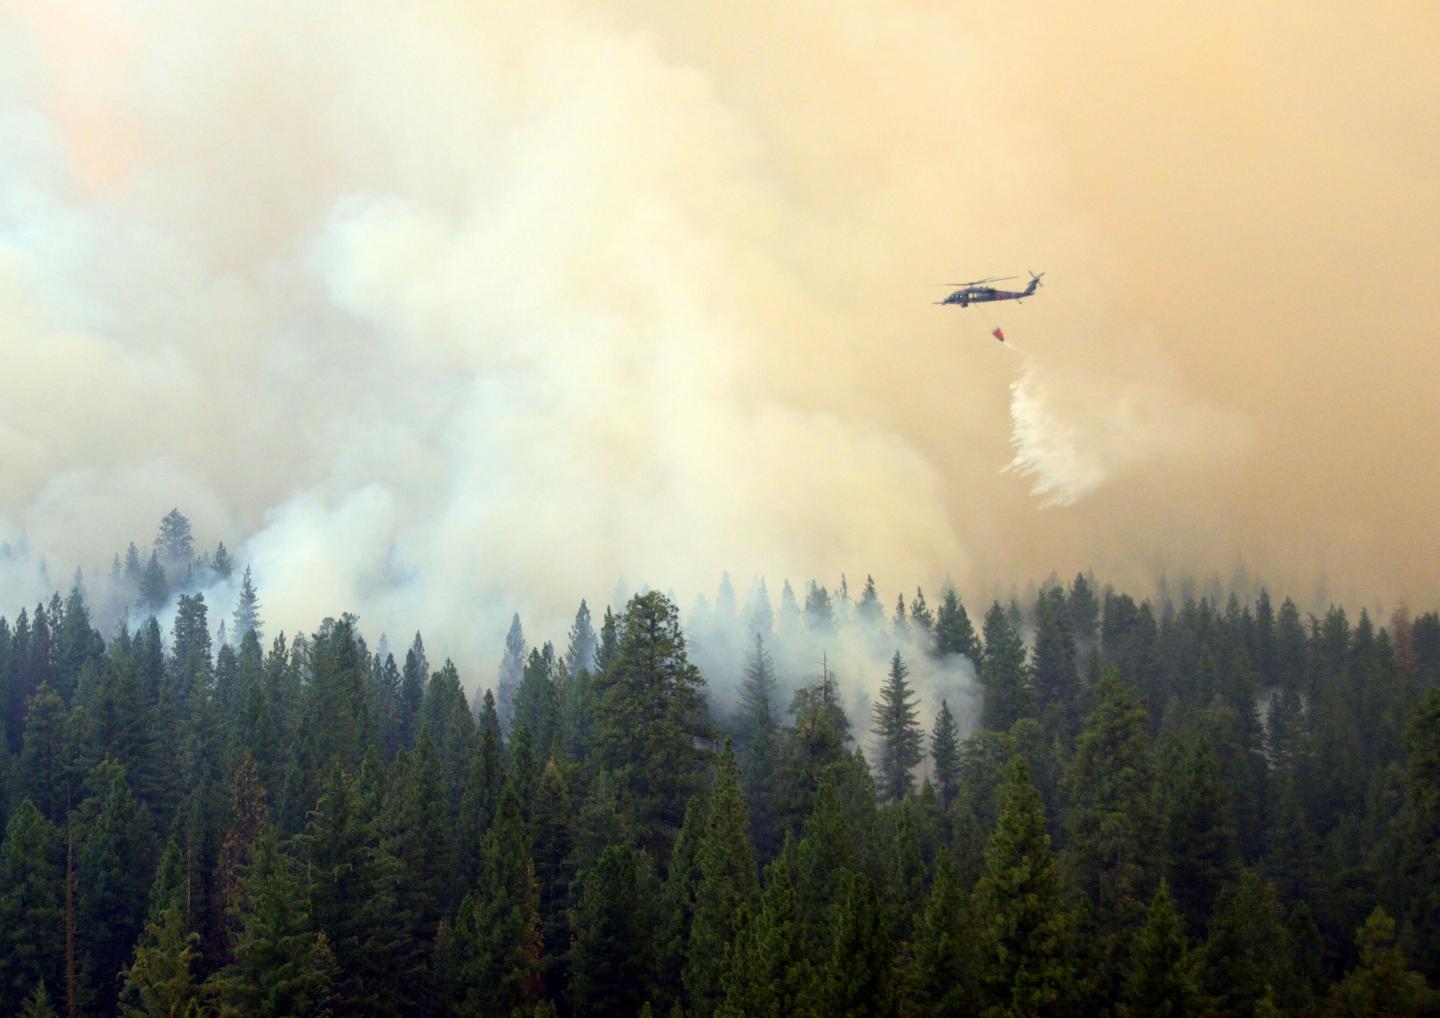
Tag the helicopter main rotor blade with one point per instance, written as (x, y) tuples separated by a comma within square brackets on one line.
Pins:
[(977, 282)]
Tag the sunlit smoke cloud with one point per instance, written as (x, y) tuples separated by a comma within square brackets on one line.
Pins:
[(1075, 429), (437, 312)]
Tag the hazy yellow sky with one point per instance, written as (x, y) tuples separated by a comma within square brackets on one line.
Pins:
[(441, 310)]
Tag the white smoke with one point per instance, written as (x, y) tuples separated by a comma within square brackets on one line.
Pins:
[(1076, 427)]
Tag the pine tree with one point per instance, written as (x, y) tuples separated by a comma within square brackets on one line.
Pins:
[(38, 1004), (1419, 826), (283, 966), (651, 712), (352, 882), (512, 670), (416, 832), (174, 543), (1161, 981), (727, 884), (537, 703), (46, 756), (583, 644), (248, 811), (1248, 950), (246, 616), (1003, 674), (1113, 829), (1202, 850), (1054, 676), (222, 561), (32, 898), (111, 854), (945, 752), (789, 610), (1381, 984), (553, 823), (413, 681), (868, 609), (614, 950), (1027, 936), (154, 588), (770, 972), (953, 632), (446, 716), (819, 613), (160, 981), (760, 747), (489, 960), (921, 617), (897, 733), (946, 941), (858, 978), (899, 622)]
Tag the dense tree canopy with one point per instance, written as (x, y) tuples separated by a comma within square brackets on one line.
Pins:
[(1097, 805)]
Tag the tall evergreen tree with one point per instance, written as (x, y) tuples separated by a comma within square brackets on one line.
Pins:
[(819, 612), (897, 733), (946, 942), (283, 966), (727, 888), (760, 746), (553, 823), (512, 670), (32, 900), (771, 973), (1003, 673), (651, 714), (112, 857), (1419, 826), (613, 957), (246, 616), (1381, 984), (858, 978), (1113, 829), (1027, 936), (174, 543), (945, 753), (1161, 978), (154, 588), (583, 642), (489, 960)]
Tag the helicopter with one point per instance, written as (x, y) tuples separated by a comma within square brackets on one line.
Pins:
[(976, 292)]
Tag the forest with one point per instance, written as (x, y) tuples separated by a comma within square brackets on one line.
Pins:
[(1075, 802)]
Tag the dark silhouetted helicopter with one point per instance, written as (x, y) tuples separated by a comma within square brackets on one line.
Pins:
[(975, 292)]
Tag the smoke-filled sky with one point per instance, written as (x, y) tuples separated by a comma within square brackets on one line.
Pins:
[(438, 311)]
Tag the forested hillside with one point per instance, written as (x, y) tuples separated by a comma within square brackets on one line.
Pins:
[(1165, 807)]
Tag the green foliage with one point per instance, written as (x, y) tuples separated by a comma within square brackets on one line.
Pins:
[(945, 752), (1161, 982), (614, 954), (38, 1004), (947, 958), (726, 887), (1113, 830), (1004, 675), (1381, 986), (858, 977), (32, 897), (771, 972), (160, 983), (283, 965), (1027, 932), (651, 712), (897, 733)]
